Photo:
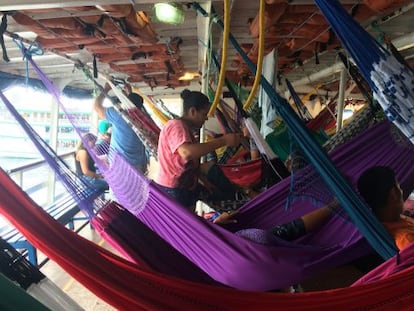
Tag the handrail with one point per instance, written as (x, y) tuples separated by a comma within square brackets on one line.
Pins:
[(42, 191), (37, 163)]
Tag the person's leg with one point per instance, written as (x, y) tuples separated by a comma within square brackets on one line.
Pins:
[(100, 184), (224, 188), (184, 197)]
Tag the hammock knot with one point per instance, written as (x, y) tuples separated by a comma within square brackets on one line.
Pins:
[(33, 49)]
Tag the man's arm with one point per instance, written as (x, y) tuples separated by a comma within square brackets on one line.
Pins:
[(315, 219), (194, 151), (297, 228), (100, 110)]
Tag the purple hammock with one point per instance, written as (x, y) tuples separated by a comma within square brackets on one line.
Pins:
[(116, 225), (244, 264), (265, 265), (141, 245)]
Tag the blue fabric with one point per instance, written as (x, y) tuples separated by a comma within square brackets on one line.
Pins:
[(352, 36), (95, 183), (124, 139), (391, 81), (300, 107)]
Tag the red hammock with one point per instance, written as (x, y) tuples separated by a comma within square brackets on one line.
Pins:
[(127, 287), (243, 174)]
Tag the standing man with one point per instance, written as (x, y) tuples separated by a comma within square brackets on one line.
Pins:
[(123, 140), (179, 152)]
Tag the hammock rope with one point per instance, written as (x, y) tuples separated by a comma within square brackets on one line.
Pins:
[(261, 52), (223, 57), (85, 195)]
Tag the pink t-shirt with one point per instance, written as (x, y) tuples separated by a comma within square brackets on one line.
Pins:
[(174, 171)]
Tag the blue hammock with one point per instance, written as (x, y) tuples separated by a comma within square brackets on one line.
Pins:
[(391, 81)]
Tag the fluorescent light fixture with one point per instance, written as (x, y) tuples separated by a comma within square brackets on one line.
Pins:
[(189, 76), (169, 13)]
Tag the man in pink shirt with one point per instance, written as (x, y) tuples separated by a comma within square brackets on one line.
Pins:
[(179, 153)]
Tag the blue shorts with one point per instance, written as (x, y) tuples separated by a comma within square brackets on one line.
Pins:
[(96, 183)]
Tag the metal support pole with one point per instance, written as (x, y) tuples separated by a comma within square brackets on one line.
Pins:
[(341, 100)]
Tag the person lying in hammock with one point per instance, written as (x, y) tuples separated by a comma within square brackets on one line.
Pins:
[(179, 152), (381, 191), (288, 231)]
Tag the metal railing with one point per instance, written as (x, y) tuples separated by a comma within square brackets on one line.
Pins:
[(39, 181)]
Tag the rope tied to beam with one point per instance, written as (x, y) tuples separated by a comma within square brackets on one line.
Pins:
[(33, 49)]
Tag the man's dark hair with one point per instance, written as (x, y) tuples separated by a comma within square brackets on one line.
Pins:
[(194, 99), (375, 184), (136, 100)]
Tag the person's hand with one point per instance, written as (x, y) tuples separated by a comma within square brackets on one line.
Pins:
[(233, 139), (107, 87), (226, 218)]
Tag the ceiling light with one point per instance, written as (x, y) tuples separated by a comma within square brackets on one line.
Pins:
[(169, 13), (189, 76)]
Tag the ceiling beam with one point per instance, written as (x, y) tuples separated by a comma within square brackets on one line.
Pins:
[(47, 4), (401, 43), (319, 75)]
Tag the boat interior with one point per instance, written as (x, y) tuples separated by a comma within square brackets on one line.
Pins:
[(126, 41)]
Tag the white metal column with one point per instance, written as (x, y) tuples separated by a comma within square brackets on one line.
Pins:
[(341, 100)]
